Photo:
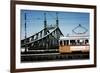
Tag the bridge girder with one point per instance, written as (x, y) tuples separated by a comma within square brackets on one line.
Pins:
[(43, 39)]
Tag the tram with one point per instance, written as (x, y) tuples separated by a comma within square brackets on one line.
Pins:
[(71, 44)]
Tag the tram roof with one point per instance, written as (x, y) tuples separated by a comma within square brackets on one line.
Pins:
[(74, 37)]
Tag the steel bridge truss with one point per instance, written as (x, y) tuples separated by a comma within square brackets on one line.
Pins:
[(43, 40)]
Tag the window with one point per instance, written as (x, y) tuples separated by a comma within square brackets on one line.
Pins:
[(72, 42), (61, 43), (64, 42), (86, 41), (67, 42)]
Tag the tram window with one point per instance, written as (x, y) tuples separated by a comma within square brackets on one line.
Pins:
[(67, 42), (72, 42), (78, 42), (86, 41), (61, 43), (64, 42), (81, 42)]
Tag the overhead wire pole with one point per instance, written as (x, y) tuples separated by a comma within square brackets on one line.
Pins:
[(57, 21), (57, 25), (45, 23), (25, 34), (45, 29)]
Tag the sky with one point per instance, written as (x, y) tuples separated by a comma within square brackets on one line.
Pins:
[(67, 21)]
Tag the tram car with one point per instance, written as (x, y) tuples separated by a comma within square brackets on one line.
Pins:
[(71, 44)]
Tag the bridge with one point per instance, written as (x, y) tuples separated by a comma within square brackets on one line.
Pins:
[(46, 39)]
